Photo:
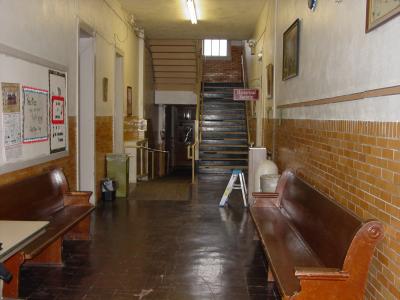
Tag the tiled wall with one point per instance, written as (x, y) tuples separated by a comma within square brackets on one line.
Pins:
[(68, 164), (228, 70), (104, 145), (358, 164)]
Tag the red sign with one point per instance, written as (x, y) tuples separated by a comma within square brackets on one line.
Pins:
[(245, 94)]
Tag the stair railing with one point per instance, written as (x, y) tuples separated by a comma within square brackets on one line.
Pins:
[(143, 159), (191, 154), (244, 78)]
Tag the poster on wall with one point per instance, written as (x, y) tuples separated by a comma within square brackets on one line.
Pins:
[(35, 115), (57, 87), (12, 139)]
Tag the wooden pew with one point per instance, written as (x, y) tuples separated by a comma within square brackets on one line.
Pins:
[(44, 197), (316, 248)]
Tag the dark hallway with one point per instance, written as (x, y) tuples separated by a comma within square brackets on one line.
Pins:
[(153, 249)]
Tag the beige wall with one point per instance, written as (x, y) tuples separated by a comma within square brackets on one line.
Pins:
[(50, 29)]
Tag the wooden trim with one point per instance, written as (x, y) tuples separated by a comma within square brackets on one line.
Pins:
[(386, 91)]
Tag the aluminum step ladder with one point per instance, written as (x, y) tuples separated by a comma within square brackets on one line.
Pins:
[(233, 186)]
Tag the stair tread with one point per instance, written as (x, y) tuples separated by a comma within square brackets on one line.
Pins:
[(223, 145), (223, 167), (221, 159), (224, 151)]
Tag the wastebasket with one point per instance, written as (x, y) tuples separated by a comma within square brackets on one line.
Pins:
[(268, 182), (108, 189), (118, 170)]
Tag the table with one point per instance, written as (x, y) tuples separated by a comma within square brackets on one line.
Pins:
[(17, 234)]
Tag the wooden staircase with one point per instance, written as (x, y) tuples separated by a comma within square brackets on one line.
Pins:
[(223, 128)]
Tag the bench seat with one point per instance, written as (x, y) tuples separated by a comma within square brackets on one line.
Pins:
[(60, 223), (284, 246), (44, 197), (316, 248)]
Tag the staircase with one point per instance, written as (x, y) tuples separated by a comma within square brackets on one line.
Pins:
[(223, 124)]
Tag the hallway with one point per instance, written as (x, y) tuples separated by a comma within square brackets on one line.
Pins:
[(161, 250)]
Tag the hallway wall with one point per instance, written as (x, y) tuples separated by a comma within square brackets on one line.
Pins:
[(348, 144), (49, 29), (224, 70)]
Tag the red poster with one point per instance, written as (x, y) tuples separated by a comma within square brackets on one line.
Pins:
[(57, 110)]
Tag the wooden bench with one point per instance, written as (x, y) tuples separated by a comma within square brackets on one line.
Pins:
[(45, 197), (316, 248)]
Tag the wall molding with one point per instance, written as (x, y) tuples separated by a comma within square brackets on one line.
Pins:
[(381, 92)]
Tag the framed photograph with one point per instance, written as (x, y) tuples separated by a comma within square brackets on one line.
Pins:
[(129, 101), (270, 81), (291, 39), (379, 12)]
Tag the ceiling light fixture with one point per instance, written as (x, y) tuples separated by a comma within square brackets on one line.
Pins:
[(192, 11)]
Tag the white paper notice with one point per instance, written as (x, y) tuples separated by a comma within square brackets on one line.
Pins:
[(12, 136)]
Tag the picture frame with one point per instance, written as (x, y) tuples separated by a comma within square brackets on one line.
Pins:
[(270, 81), (379, 12), (291, 41), (129, 101)]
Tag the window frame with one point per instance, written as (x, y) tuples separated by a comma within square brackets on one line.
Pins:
[(210, 57)]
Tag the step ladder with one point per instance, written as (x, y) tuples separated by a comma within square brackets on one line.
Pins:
[(233, 186)]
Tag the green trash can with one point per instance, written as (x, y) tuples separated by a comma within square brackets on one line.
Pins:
[(118, 170)]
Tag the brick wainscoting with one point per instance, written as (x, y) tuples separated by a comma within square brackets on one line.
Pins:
[(104, 145), (358, 164), (68, 163), (227, 70)]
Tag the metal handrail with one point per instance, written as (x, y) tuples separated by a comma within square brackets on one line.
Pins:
[(249, 142), (191, 154), (152, 151)]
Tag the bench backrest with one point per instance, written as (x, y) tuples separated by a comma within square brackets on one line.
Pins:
[(33, 198), (326, 226)]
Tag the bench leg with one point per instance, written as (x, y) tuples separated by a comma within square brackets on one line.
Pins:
[(80, 231), (51, 255), (13, 265)]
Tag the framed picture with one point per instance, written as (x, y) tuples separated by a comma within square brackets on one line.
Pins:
[(129, 101), (291, 39), (270, 81), (379, 12)]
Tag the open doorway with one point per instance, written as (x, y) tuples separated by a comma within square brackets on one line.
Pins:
[(119, 104), (180, 132), (86, 115)]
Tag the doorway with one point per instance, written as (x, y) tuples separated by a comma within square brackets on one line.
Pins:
[(119, 104), (86, 115)]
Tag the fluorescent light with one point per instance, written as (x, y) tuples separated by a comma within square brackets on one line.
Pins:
[(192, 11)]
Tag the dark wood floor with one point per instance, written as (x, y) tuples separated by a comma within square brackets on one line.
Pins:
[(161, 250)]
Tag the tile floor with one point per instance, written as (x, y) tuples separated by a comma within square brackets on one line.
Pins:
[(176, 250)]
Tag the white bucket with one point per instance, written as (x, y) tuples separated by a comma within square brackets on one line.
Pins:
[(268, 182)]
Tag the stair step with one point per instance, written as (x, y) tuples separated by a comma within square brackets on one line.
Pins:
[(236, 141), (208, 155), (223, 145), (219, 169), (222, 105), (231, 117), (223, 128), (226, 111), (223, 162), (223, 84), (223, 123)]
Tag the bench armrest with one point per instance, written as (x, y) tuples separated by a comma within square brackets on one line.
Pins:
[(321, 274), (77, 198), (265, 199)]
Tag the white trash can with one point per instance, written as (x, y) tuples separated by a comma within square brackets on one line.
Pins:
[(268, 182)]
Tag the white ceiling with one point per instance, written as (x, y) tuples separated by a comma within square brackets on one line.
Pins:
[(168, 19)]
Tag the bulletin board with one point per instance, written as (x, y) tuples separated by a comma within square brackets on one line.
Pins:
[(33, 110)]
